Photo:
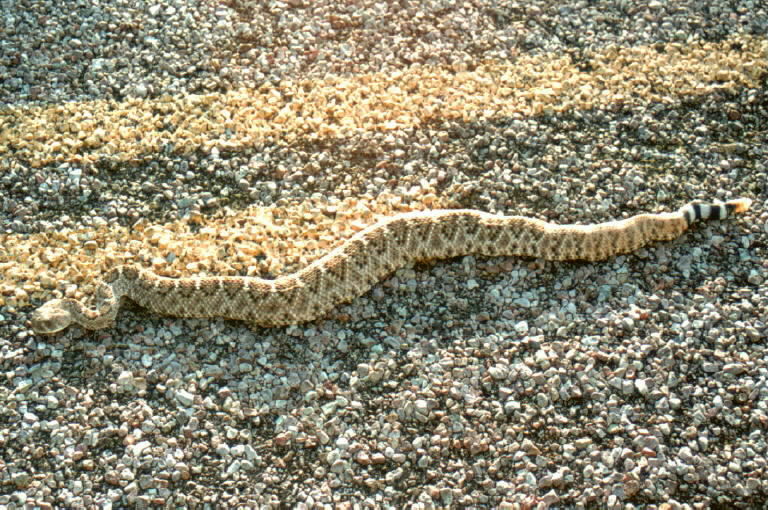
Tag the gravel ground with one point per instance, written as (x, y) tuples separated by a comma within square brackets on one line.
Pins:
[(249, 137)]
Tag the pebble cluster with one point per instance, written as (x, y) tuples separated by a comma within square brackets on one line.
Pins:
[(245, 137)]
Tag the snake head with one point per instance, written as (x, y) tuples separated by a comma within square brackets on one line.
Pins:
[(51, 318)]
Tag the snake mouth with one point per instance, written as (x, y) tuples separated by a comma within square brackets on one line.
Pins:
[(50, 318), (41, 327)]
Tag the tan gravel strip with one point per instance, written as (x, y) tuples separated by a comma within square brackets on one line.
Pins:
[(621, 77), (256, 241)]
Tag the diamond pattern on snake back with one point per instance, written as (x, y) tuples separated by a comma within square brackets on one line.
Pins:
[(368, 257)]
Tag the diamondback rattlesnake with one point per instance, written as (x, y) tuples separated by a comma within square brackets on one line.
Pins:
[(360, 262)]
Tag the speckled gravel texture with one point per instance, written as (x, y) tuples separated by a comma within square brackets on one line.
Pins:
[(249, 137)]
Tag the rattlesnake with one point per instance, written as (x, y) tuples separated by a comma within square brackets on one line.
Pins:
[(355, 266)]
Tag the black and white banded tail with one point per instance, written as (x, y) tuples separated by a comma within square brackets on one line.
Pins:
[(696, 211)]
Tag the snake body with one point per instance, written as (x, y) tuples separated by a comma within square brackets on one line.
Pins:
[(365, 259)]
